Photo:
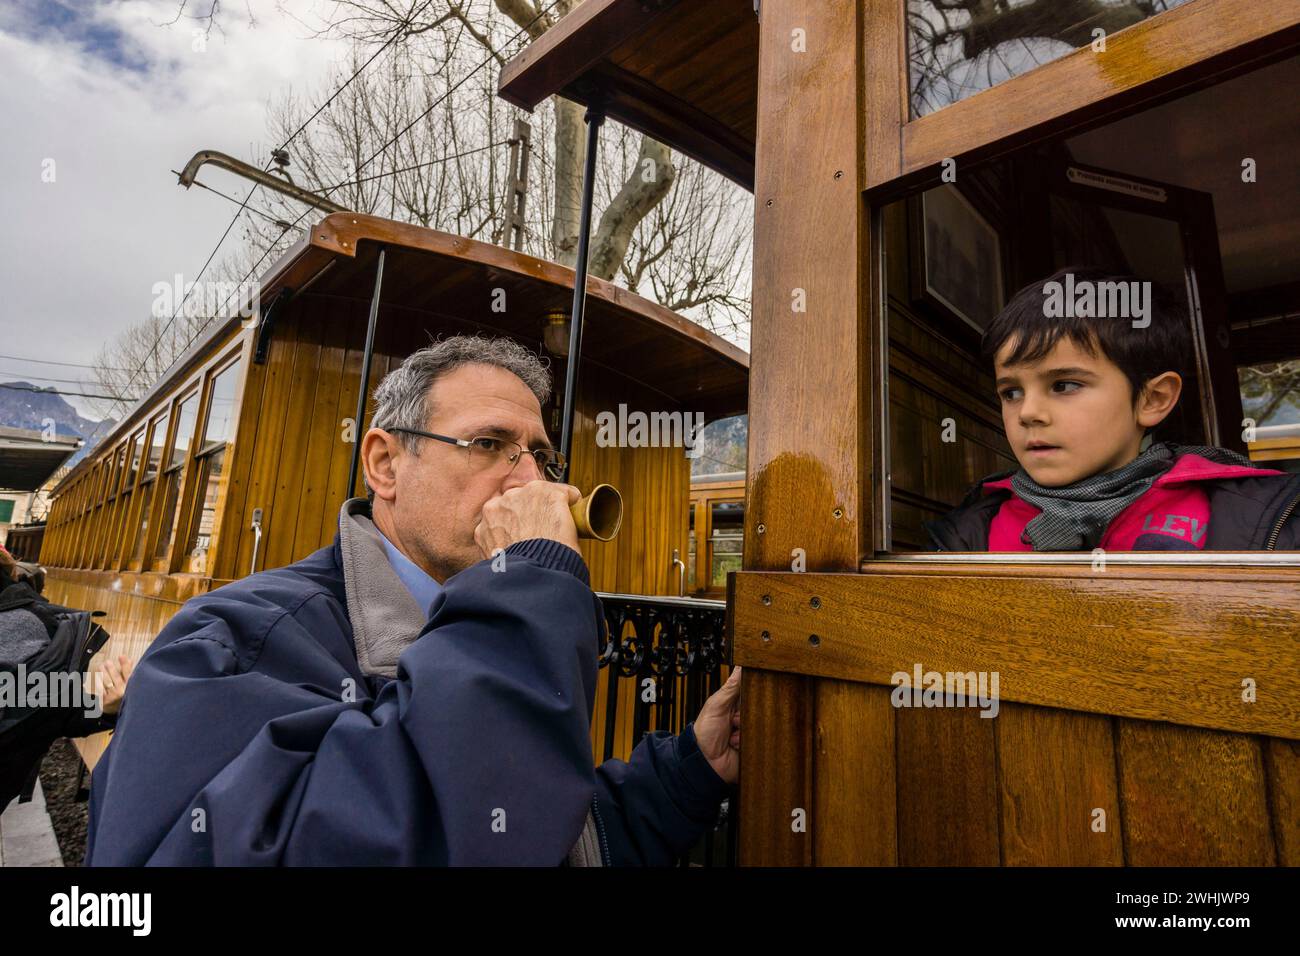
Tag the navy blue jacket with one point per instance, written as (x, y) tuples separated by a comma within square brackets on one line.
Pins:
[(250, 736)]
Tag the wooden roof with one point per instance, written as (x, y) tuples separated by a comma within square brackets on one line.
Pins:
[(682, 71), (452, 279)]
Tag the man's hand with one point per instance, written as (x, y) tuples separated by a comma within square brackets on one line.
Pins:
[(717, 729), (113, 675), (539, 509)]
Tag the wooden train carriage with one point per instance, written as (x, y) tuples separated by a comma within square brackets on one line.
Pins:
[(910, 169), (238, 459)]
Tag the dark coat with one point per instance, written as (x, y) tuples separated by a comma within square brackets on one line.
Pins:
[(250, 735)]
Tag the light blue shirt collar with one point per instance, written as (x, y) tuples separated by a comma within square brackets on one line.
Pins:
[(423, 588)]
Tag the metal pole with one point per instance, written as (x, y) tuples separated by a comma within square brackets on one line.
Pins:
[(359, 421), (594, 118)]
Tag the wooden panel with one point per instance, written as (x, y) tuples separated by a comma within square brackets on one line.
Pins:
[(1282, 759), (1192, 797), (324, 430), (854, 805), (1056, 769), (265, 458), (290, 446), (1146, 643), (776, 770), (947, 789)]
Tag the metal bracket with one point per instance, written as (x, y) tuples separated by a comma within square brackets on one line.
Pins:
[(267, 324)]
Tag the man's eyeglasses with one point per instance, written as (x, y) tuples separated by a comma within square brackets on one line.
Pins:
[(486, 452)]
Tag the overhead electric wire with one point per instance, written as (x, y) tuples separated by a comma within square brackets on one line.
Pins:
[(400, 32), (20, 358), (361, 166), (56, 391)]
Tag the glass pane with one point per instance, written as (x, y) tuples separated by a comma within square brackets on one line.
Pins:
[(957, 48), (135, 450), (1270, 397), (690, 553), (167, 520), (184, 430), (156, 442), (1126, 242), (196, 550), (221, 425), (720, 449), (118, 467), (142, 531), (727, 540)]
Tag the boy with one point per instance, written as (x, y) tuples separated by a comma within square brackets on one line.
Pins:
[(1081, 383)]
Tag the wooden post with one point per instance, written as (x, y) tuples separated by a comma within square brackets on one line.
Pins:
[(811, 396)]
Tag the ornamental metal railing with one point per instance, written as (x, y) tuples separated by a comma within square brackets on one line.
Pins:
[(660, 660)]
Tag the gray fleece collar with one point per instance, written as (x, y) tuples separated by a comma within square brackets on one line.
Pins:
[(385, 617)]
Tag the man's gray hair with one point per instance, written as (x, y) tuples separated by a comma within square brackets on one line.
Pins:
[(402, 399)]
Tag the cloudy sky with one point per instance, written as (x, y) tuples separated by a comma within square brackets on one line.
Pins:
[(117, 98)]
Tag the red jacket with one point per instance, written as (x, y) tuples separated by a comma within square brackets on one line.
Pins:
[(1196, 505)]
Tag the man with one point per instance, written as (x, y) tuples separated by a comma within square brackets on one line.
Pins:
[(421, 691)]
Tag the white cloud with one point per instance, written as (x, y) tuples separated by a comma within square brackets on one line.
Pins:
[(116, 101)]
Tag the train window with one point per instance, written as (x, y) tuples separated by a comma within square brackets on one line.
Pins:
[(109, 516), (1131, 199), (210, 460), (174, 473), (134, 452), (956, 48), (690, 552), (726, 527), (1270, 399), (157, 440)]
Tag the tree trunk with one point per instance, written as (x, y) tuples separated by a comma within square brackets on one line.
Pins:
[(648, 183), (570, 155)]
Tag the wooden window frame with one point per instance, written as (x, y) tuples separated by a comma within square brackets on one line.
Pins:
[(86, 535), (1161, 55), (108, 510), (703, 497), (135, 444), (1161, 58), (191, 491), (147, 492), (149, 561)]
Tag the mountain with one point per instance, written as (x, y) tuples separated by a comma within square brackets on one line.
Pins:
[(722, 447), (22, 408)]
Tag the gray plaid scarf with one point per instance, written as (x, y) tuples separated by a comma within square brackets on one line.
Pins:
[(1075, 516)]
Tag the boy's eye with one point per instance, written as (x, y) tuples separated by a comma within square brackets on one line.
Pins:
[(1009, 394), (1067, 387)]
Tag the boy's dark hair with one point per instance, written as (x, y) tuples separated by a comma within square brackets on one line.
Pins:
[(1141, 354)]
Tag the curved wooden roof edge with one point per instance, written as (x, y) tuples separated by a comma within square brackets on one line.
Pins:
[(338, 234), (341, 231)]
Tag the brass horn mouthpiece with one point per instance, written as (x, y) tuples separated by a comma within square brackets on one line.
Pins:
[(599, 513)]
